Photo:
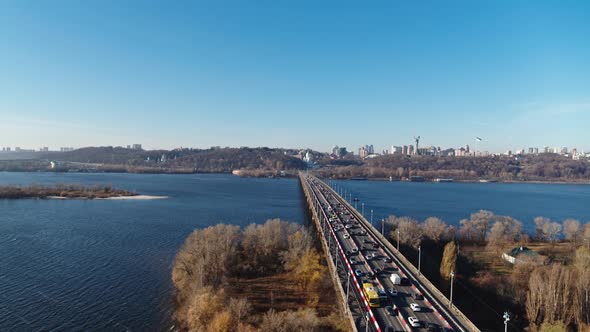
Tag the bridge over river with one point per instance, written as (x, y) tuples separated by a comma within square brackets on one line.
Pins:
[(358, 253)]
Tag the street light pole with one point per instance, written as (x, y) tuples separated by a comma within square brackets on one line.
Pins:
[(363, 209), (371, 216), (419, 256), (451, 298), (398, 239), (506, 319), (383, 226)]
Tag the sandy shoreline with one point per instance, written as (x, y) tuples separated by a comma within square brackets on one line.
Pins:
[(136, 197)]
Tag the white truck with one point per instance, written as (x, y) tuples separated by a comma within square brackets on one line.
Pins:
[(395, 279)]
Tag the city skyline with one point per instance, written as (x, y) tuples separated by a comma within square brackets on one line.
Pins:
[(295, 75)]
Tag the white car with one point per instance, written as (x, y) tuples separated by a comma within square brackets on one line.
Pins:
[(414, 322), (368, 257), (415, 307), (346, 236)]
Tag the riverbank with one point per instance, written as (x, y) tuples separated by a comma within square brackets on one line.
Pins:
[(266, 277), (483, 181)]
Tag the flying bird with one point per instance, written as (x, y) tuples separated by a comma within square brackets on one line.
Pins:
[(478, 139)]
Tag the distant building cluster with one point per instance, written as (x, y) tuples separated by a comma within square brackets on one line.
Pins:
[(367, 151), (573, 153), (339, 152)]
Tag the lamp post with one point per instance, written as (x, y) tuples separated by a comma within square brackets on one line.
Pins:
[(383, 226), (363, 209), (371, 216), (451, 298), (398, 239), (419, 256), (506, 319)]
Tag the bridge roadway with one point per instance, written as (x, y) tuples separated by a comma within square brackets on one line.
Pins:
[(376, 263)]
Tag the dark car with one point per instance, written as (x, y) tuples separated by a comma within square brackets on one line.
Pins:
[(431, 327), (391, 311), (417, 296)]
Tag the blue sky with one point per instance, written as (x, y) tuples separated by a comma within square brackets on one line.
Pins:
[(295, 73)]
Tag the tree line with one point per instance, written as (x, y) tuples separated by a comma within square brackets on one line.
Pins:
[(553, 295), (62, 190), (210, 258), (546, 166)]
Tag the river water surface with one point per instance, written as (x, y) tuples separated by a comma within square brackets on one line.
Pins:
[(100, 265)]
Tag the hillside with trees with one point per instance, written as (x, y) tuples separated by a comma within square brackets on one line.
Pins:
[(118, 159), (266, 277), (542, 167)]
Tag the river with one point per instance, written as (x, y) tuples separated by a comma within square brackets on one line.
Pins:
[(105, 265)]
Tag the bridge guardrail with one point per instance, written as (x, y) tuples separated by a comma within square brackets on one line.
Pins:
[(331, 267)]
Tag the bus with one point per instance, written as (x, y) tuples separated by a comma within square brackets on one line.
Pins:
[(374, 297)]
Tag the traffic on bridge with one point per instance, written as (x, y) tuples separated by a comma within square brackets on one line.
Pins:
[(389, 294)]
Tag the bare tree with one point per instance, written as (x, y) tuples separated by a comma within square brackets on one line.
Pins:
[(410, 231), (505, 231), (467, 230), (239, 309), (582, 303), (535, 297), (552, 231), (482, 221), (540, 224), (551, 293), (435, 229), (572, 230), (391, 223)]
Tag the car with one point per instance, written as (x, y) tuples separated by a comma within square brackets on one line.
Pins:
[(358, 273), (417, 296), (393, 292), (363, 232), (346, 236), (387, 260), (348, 226), (374, 255), (375, 245), (354, 250), (413, 321), (431, 327), (370, 275), (368, 257), (378, 270), (353, 261), (368, 241), (391, 311), (415, 307)]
